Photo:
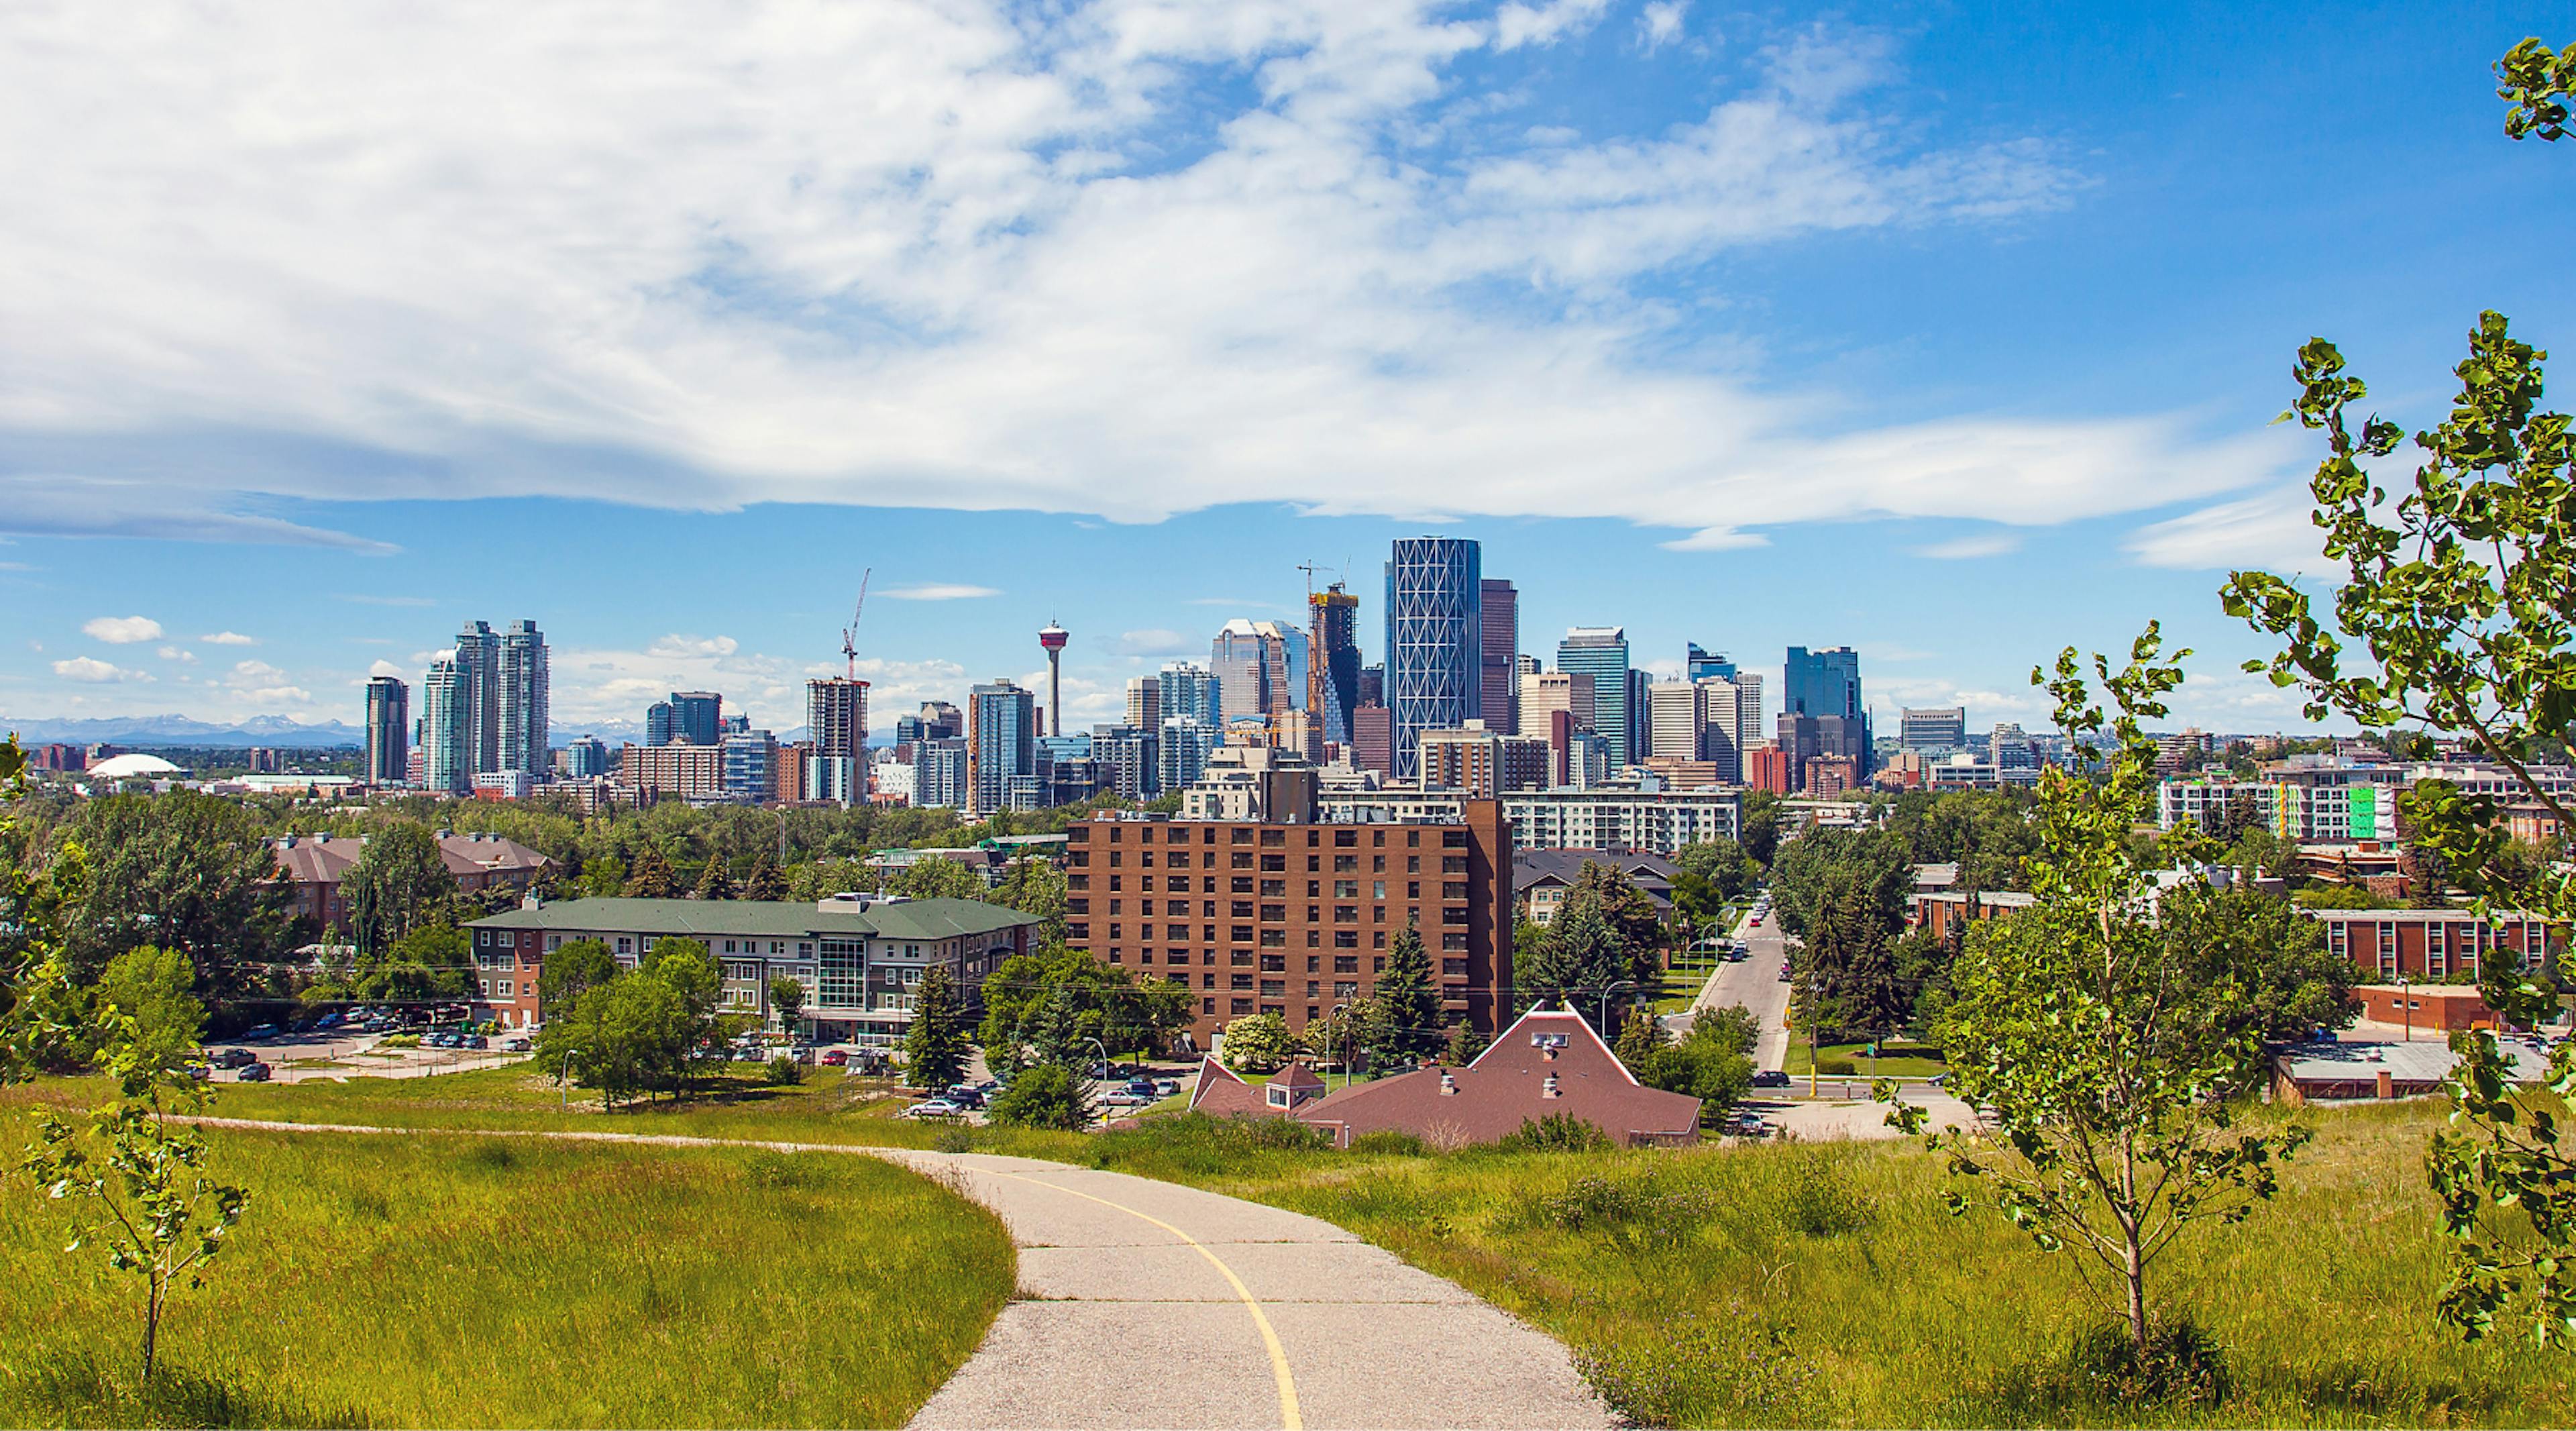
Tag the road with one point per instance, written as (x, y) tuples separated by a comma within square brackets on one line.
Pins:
[(1243, 1315), (1753, 982)]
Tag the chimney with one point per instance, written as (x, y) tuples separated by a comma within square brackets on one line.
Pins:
[(2387, 1085)]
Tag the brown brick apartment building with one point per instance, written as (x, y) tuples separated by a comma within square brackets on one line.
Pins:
[(2428, 944), (1291, 919)]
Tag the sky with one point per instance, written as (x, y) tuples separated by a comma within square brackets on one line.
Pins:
[(1953, 333)]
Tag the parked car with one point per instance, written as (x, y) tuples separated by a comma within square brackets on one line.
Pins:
[(1166, 1087), (202, 1072), (258, 1032), (1142, 1085), (230, 1057), (1770, 1078), (516, 1045), (252, 1072), (477, 1041), (1125, 1097), (1784, 971), (835, 1058), (933, 1108)]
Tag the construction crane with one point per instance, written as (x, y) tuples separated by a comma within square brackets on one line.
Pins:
[(850, 633)]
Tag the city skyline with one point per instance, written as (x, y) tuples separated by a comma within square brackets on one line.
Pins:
[(1759, 331)]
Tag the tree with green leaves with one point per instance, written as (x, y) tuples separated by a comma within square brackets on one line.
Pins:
[(935, 1048), (1048, 1095), (649, 876), (177, 871), (1629, 911), (1465, 1042), (2456, 613), (147, 996), (1639, 1040), (400, 882), (1712, 1063), (1722, 863), (570, 970), (1257, 1043), (1851, 967), (787, 996), (1034, 886), (715, 881), (1403, 1021), (137, 1182), (2088, 1038), (42, 1010), (937, 877), (764, 882), (1760, 833)]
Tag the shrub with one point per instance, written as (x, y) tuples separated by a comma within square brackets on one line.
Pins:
[(2182, 1367), (783, 1072), (1046, 1096), (1555, 1133), (1732, 1368), (953, 1139), (1836, 1067), (1823, 1203), (1385, 1140), (399, 1041)]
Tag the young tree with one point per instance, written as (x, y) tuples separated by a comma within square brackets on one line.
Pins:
[(715, 881), (1712, 1063), (1046, 1096), (764, 882), (1639, 1040), (787, 996), (1403, 1024), (935, 1048), (1257, 1043), (399, 882), (650, 877), (151, 988), (2083, 1035), (572, 969)]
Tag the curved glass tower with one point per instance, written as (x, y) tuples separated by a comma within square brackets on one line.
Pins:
[(1435, 636)]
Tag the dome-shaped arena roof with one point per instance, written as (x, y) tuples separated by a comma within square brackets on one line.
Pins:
[(127, 767)]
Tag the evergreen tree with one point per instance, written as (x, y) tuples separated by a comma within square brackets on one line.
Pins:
[(1628, 911), (715, 882), (1465, 1042), (1638, 1040), (935, 1050), (1055, 1035), (764, 882), (1403, 1023), (1581, 955), (650, 877)]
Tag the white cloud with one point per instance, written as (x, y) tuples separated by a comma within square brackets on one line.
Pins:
[(912, 253), (96, 672), (940, 592), (122, 630), (675, 647), (228, 638), (174, 653), (2270, 530), (1968, 548), (251, 673), (1660, 23), (387, 668)]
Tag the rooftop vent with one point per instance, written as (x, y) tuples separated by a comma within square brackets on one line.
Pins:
[(1448, 1085), (1549, 1088)]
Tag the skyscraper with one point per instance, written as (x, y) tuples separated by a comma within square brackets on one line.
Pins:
[(447, 728), (1826, 684), (836, 722), (1145, 702), (1933, 728), (388, 731), (1255, 664), (1189, 692), (658, 723), (1001, 744), (478, 667), (1700, 665), (1373, 685), (1601, 652), (697, 717), (1435, 641), (1333, 661), (1499, 672), (523, 697)]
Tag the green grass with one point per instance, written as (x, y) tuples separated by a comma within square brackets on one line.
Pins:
[(1901, 1060), (484, 1282)]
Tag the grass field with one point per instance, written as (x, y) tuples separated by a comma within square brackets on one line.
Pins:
[(485, 1282), (1898, 1060), (1772, 1285)]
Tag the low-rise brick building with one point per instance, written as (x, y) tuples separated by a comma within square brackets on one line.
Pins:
[(315, 865)]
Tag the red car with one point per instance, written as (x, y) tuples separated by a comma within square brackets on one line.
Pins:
[(835, 1058)]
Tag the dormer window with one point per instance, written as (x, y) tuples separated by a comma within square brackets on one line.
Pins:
[(1278, 1095)]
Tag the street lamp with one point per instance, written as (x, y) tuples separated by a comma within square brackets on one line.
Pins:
[(563, 1080), (1343, 1027), (1602, 1020)]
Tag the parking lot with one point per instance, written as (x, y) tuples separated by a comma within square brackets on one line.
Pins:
[(335, 1056)]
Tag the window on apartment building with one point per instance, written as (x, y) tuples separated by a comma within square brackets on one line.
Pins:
[(1274, 939), (1453, 939), (1346, 939), (1453, 968), (1273, 839), (1346, 889), (1274, 963), (1412, 838), (1241, 1006)]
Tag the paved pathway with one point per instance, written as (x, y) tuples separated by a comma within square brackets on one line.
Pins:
[(1145, 1303)]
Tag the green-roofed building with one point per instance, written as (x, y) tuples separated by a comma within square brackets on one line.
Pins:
[(859, 957)]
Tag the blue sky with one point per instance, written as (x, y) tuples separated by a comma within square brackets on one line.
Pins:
[(1949, 332)]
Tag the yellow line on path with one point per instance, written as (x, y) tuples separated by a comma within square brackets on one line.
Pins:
[(1289, 1416)]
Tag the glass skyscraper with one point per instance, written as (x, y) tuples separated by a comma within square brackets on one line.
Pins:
[(1435, 640), (1601, 652)]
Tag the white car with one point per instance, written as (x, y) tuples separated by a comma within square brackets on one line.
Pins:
[(933, 1108)]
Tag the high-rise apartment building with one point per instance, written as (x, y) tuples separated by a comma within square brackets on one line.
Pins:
[(1499, 671), (658, 723), (1435, 641), (1128, 759), (1185, 744), (524, 698), (1548, 693), (1259, 665), (750, 765), (1333, 661), (1730, 714), (478, 667), (836, 721), (1933, 728), (447, 728), (1145, 702), (939, 773), (388, 731), (585, 758), (1673, 721), (1373, 739), (1484, 763), (941, 721), (1601, 653), (1190, 692), (1001, 748), (2008, 747)]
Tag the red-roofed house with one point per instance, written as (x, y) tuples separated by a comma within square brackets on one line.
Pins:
[(1220, 1094), (1548, 1062)]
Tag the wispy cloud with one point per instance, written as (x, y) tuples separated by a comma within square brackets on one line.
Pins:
[(122, 630), (228, 638), (91, 671), (940, 592), (1968, 548)]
